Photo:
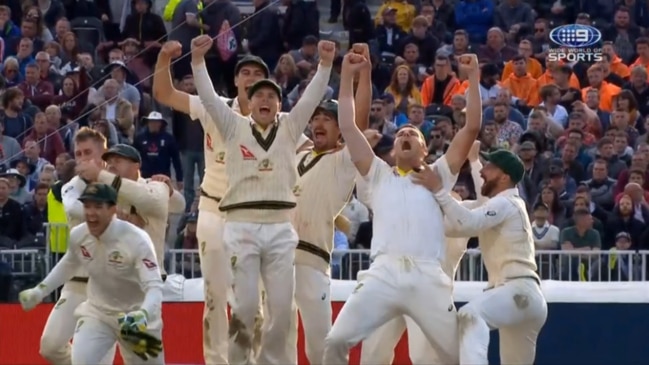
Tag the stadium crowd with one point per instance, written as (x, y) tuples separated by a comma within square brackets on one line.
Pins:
[(580, 129)]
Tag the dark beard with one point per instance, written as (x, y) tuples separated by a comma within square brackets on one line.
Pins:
[(488, 188)]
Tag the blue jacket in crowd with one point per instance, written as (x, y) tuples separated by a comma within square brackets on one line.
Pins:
[(158, 152), (476, 17)]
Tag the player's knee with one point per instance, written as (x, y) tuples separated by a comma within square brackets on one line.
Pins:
[(51, 347)]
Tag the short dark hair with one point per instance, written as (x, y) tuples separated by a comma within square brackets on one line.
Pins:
[(642, 40), (564, 69), (310, 40), (581, 213), (11, 94), (41, 186), (518, 58), (603, 142)]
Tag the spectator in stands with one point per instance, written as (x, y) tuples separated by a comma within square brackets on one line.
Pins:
[(546, 237), (47, 71), (9, 147), (18, 186), (34, 13), (558, 212), (49, 140), (403, 87), (35, 215), (11, 215), (116, 109), (146, 28), (623, 219), (190, 266), (618, 265), (25, 168), (32, 151), (39, 92), (341, 243), (119, 73), (158, 149), (263, 28), (74, 94), (16, 122), (8, 28), (11, 72), (580, 237)]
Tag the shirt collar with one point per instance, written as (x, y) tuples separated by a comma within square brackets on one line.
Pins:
[(108, 233), (509, 192)]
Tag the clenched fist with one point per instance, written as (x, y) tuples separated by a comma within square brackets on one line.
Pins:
[(171, 49), (200, 46), (353, 62), (362, 49), (327, 52), (468, 64)]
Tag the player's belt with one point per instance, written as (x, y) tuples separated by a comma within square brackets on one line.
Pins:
[(205, 194), (79, 279), (315, 250)]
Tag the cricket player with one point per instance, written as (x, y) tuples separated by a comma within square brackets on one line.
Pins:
[(215, 262), (141, 201), (379, 347), (326, 181), (59, 328), (124, 278), (260, 155), (513, 302), (409, 247)]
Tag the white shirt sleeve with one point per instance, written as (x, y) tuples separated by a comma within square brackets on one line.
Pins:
[(471, 222), (148, 272), (65, 269), (448, 179)]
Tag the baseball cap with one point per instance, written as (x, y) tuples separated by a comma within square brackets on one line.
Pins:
[(254, 61), (100, 193), (265, 83), (328, 107), (155, 116), (508, 162), (123, 150), (527, 146), (622, 236)]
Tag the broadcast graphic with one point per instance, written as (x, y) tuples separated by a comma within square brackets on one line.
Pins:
[(576, 43)]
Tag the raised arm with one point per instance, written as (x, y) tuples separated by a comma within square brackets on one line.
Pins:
[(164, 91), (224, 118), (299, 116), (359, 149), (363, 98), (461, 144), (150, 199), (70, 194)]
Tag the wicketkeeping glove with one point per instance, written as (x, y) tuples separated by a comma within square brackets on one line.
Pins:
[(133, 331), (30, 298)]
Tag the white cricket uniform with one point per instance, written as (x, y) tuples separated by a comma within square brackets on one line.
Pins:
[(379, 347), (258, 203), (149, 199), (409, 252), (59, 328), (513, 302), (214, 256), (323, 189), (124, 276)]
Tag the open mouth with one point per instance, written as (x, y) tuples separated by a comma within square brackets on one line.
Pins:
[(264, 110), (405, 146), (319, 133)]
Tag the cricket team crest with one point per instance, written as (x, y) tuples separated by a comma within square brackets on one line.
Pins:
[(115, 258), (265, 165)]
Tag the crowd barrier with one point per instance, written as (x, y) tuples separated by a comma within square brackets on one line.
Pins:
[(588, 323), (553, 265)]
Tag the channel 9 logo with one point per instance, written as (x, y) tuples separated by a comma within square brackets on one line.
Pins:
[(576, 43)]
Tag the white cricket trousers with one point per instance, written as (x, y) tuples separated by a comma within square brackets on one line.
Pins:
[(266, 249), (516, 309), (379, 298), (215, 267), (97, 333), (313, 299), (379, 347), (59, 329)]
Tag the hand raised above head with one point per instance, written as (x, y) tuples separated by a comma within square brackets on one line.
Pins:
[(200, 45), (172, 49), (327, 52)]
